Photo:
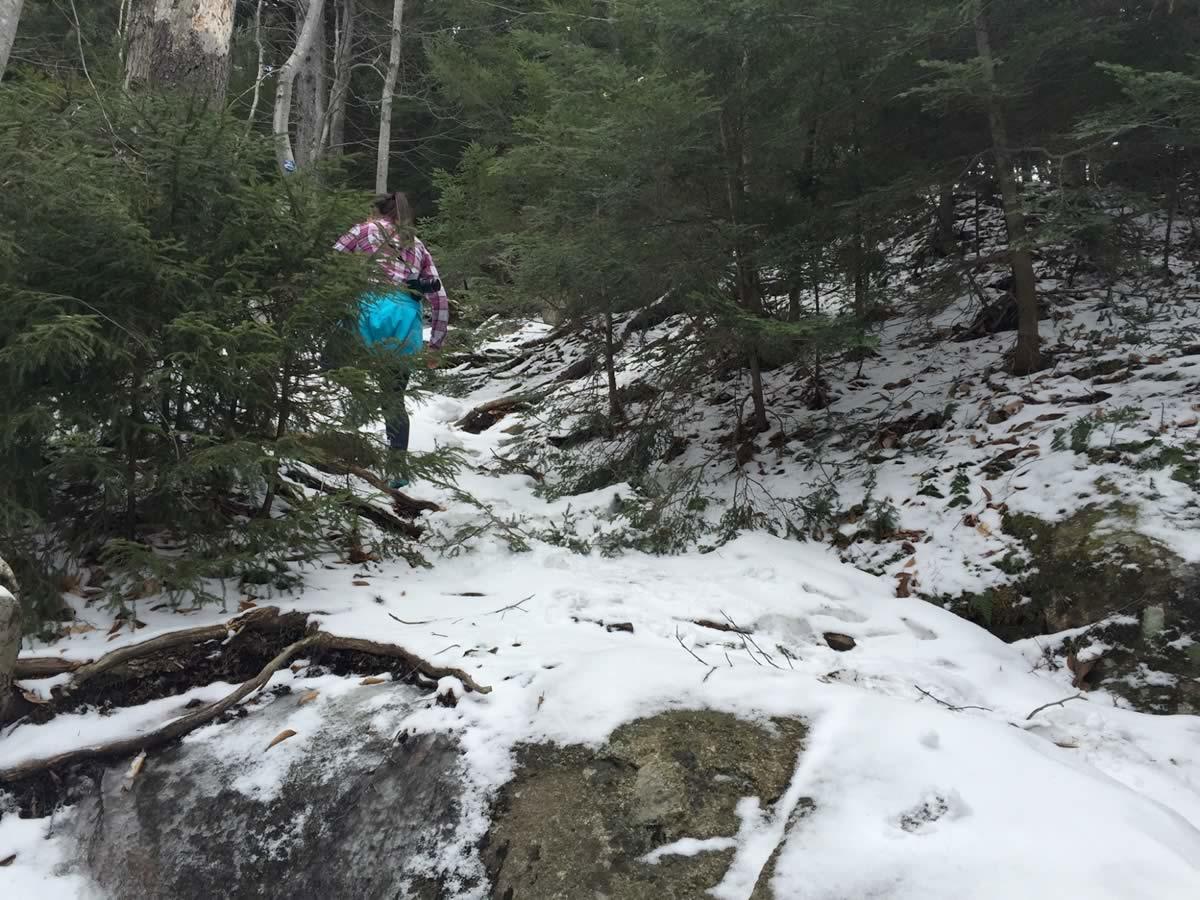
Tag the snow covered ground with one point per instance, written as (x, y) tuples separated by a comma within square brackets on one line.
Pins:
[(931, 774)]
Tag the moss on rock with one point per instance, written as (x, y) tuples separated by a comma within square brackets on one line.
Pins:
[(577, 822)]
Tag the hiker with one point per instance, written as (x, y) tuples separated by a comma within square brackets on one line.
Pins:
[(390, 314)]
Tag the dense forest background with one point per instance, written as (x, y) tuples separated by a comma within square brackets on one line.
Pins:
[(173, 174)]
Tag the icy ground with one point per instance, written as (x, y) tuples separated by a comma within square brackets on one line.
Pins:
[(930, 777)]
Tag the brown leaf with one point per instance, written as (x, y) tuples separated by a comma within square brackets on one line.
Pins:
[(307, 697), (80, 628), (1186, 423), (33, 698), (970, 520), (359, 555), (373, 679), (912, 562), (358, 582), (116, 626), (69, 584), (8, 860), (281, 737), (246, 603), (986, 493), (904, 584)]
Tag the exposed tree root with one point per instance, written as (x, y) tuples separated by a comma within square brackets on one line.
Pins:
[(263, 618), (170, 732), (260, 618)]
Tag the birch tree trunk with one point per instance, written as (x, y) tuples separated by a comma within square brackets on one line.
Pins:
[(281, 118), (334, 133), (383, 152), (310, 98), (260, 72), (10, 14), (181, 43), (1026, 356), (10, 640)]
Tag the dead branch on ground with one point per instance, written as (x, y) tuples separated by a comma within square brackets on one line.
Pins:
[(1061, 702)]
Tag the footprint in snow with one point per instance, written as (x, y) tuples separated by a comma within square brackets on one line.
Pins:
[(920, 631), (841, 613), (935, 807)]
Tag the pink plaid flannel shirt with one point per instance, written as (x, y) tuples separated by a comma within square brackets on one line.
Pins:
[(400, 264)]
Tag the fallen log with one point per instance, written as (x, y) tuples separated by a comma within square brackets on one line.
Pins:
[(486, 415)]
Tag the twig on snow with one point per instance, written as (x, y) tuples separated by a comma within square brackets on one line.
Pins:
[(1061, 702), (748, 641), (679, 638), (949, 706), (518, 605), (407, 622)]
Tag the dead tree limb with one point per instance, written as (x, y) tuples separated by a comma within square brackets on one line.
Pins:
[(380, 517), (719, 626), (487, 414), (403, 501)]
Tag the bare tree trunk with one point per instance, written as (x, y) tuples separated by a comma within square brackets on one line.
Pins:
[(181, 43), (10, 14), (1172, 209), (1026, 356), (283, 88), (732, 129), (946, 237), (616, 410), (384, 150), (310, 98), (260, 73), (10, 640), (334, 133)]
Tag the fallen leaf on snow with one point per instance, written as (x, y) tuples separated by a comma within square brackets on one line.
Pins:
[(8, 860), (373, 679), (281, 737), (308, 697), (358, 582)]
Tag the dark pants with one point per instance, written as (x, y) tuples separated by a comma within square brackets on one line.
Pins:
[(396, 420)]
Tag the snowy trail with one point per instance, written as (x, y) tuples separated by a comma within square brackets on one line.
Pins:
[(894, 796)]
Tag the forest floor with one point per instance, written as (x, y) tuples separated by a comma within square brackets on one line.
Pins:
[(937, 755)]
